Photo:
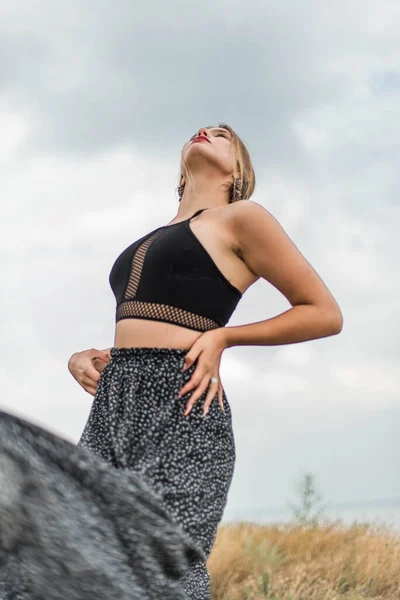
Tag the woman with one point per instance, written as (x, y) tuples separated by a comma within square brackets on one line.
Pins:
[(160, 411)]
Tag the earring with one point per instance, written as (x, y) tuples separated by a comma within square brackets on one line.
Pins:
[(238, 189), (180, 191)]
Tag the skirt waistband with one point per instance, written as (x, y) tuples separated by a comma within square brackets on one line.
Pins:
[(144, 351)]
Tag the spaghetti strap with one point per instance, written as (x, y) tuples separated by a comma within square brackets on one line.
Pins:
[(197, 213)]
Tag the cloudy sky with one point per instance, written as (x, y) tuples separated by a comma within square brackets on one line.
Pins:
[(97, 100)]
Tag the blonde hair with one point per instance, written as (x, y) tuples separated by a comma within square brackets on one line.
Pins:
[(244, 165)]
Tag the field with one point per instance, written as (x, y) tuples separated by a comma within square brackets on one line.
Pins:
[(301, 562)]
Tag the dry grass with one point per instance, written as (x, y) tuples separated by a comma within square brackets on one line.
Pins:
[(291, 562)]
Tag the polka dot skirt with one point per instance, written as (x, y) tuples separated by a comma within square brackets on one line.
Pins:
[(137, 423)]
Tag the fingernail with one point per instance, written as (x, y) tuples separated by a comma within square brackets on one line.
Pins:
[(188, 410), (205, 412)]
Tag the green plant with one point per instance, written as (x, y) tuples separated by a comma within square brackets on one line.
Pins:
[(307, 513)]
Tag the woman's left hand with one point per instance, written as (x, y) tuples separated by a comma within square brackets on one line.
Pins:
[(208, 349)]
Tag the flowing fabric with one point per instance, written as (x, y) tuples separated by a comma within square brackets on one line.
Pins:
[(73, 527)]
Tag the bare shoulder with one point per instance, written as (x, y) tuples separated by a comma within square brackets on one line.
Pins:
[(246, 212), (255, 227), (243, 219)]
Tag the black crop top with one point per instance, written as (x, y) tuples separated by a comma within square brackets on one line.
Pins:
[(168, 276)]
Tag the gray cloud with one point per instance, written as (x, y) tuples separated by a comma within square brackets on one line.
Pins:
[(99, 76)]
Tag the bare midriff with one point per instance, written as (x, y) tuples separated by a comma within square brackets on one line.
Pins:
[(153, 334)]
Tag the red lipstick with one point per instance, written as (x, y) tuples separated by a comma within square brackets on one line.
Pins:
[(199, 138)]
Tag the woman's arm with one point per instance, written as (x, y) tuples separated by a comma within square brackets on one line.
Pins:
[(269, 252)]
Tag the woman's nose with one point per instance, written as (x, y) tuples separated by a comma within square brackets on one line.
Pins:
[(203, 131)]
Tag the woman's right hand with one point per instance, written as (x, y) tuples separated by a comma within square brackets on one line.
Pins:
[(86, 367)]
